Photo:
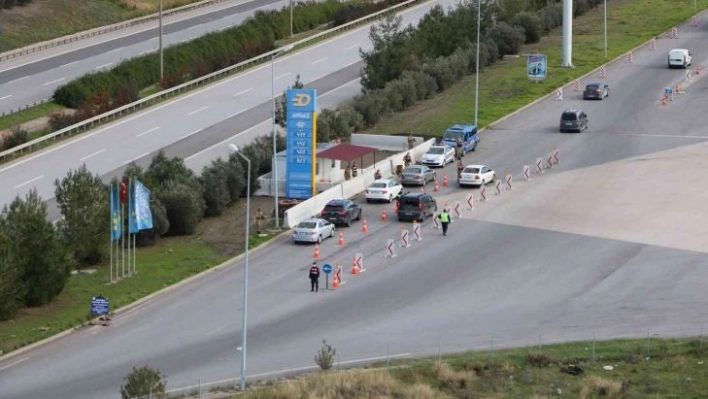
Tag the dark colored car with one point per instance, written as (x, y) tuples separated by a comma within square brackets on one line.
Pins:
[(341, 212), (596, 91), (416, 206), (573, 120)]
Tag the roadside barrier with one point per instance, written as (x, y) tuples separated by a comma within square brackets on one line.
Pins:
[(483, 193), (508, 181), (337, 280), (358, 264), (694, 21), (674, 33), (416, 231), (390, 249), (498, 187), (539, 167), (603, 72), (549, 161), (556, 152), (576, 85), (436, 224), (456, 209), (630, 58), (527, 174), (559, 94), (405, 242), (470, 202), (652, 44)]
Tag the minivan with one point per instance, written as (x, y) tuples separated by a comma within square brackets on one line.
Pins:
[(679, 58), (416, 206), (573, 120)]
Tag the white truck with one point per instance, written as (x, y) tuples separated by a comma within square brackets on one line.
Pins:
[(679, 58)]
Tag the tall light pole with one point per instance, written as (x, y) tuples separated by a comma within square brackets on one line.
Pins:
[(476, 68), (244, 318), (605, 29), (274, 172), (291, 18), (162, 60)]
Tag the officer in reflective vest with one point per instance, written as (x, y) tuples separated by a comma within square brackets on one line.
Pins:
[(444, 220), (314, 277)]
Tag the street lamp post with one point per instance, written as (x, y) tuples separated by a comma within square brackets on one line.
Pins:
[(605, 29), (291, 18), (476, 69), (244, 319), (162, 67), (274, 172)]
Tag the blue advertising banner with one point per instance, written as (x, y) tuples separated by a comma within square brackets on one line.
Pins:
[(301, 143), (536, 66), (99, 305)]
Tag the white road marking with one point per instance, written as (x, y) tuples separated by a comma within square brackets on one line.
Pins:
[(318, 61), (29, 181), (66, 65), (7, 96), (282, 76), (15, 363), (235, 95), (147, 131), (104, 65), (197, 111), (217, 329), (351, 47), (92, 155), (18, 79), (190, 134), (136, 158), (54, 81)]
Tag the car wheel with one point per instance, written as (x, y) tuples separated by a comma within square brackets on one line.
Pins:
[(331, 232), (319, 239), (484, 183), (349, 222), (390, 198)]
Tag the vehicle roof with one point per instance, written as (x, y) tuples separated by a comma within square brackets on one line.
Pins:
[(416, 195), (476, 166), (572, 111), (459, 126), (596, 84), (314, 220), (678, 49), (336, 202), (382, 181)]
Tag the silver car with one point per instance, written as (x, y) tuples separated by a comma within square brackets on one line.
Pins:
[(313, 230), (418, 175)]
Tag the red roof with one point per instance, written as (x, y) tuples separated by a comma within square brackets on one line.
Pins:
[(345, 152)]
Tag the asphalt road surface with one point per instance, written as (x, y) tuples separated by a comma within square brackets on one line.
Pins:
[(34, 77), (501, 276)]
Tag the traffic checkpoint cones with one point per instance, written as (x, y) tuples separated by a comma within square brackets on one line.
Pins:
[(445, 181), (340, 242), (317, 251), (384, 218), (337, 280), (358, 264), (365, 226), (664, 99), (436, 188), (422, 189)]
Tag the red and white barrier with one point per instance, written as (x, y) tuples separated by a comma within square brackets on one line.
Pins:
[(674, 33), (337, 281), (576, 85), (602, 72), (559, 94), (456, 209), (483, 193), (688, 76), (539, 167), (405, 242), (694, 22), (436, 224), (630, 57), (498, 187), (527, 173), (358, 264), (416, 232), (555, 156), (508, 182), (390, 249), (470, 202), (652, 44), (549, 162)]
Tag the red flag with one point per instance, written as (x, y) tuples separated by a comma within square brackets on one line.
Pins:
[(123, 191)]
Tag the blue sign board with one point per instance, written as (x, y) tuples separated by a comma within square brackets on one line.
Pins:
[(99, 305), (327, 268), (301, 143), (536, 66), (668, 90)]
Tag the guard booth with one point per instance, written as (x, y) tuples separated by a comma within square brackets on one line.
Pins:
[(329, 161)]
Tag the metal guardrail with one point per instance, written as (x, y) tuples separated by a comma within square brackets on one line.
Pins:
[(149, 100), (102, 30), (25, 107)]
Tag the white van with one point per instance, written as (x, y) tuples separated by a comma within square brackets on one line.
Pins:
[(679, 58)]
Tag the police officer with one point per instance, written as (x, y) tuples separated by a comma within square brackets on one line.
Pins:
[(460, 152), (407, 160), (377, 174), (411, 141), (260, 218), (314, 277), (354, 173), (460, 168), (444, 220)]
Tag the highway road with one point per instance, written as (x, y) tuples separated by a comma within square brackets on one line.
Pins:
[(34, 77), (495, 278)]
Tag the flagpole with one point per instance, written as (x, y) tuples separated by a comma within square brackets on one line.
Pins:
[(130, 273), (110, 231), (122, 241)]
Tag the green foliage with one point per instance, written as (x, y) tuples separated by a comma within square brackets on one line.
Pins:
[(144, 382), (12, 291), (325, 356), (182, 205), (281, 106), (40, 253), (17, 136), (389, 55), (531, 23), (215, 188), (81, 198), (508, 38), (8, 4)]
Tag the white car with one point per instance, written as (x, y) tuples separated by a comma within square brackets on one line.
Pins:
[(383, 190), (313, 230), (438, 155), (476, 175)]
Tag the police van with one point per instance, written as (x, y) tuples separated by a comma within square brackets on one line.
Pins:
[(468, 134)]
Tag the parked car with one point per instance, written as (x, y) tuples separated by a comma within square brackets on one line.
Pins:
[(383, 190), (438, 155), (573, 120), (418, 175), (468, 134), (679, 58), (598, 91), (313, 230), (341, 212), (416, 206), (476, 175)]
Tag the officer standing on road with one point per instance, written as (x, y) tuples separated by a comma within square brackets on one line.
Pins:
[(377, 175), (314, 277), (354, 172), (460, 168), (407, 160), (444, 220)]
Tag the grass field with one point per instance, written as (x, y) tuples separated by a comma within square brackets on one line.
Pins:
[(504, 87), (48, 19), (640, 369), (28, 115)]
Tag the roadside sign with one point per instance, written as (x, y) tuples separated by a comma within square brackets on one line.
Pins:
[(99, 305), (327, 268), (668, 90), (536, 66)]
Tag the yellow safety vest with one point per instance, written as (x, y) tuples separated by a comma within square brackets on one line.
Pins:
[(445, 217)]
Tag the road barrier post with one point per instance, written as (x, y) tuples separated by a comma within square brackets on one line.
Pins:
[(470, 202), (457, 209), (539, 168), (483, 193), (416, 231), (527, 173), (498, 187), (508, 181), (390, 249), (405, 243)]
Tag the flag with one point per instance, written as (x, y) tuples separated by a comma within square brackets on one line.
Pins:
[(123, 191), (143, 214), (132, 216), (116, 225)]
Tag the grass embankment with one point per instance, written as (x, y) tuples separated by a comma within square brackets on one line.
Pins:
[(504, 87), (640, 369), (28, 115), (44, 20)]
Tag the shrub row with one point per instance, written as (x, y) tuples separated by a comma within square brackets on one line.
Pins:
[(7, 4)]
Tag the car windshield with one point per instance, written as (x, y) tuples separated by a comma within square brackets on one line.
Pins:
[(452, 135), (436, 150), (568, 116), (413, 171), (592, 87), (333, 208), (471, 170), (409, 201), (378, 185), (307, 225)]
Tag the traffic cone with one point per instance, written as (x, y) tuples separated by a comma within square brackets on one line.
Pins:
[(663, 100), (341, 238), (364, 227), (355, 267), (335, 280), (317, 251), (435, 187), (678, 89), (383, 215), (445, 181), (422, 189)]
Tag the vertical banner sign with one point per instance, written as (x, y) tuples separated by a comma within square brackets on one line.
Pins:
[(301, 143), (536, 66)]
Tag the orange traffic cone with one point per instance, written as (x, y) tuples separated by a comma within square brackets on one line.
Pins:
[(445, 181), (317, 251), (383, 215), (341, 238), (678, 89), (663, 100), (422, 189), (355, 267), (435, 187), (335, 283), (364, 227)]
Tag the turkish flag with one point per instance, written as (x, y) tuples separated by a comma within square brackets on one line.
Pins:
[(123, 192)]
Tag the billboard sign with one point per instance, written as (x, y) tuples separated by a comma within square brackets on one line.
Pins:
[(99, 305), (301, 143), (536, 66)]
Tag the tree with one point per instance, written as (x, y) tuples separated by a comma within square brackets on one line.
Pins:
[(144, 382), (12, 290), (214, 180), (281, 106), (182, 207), (84, 203), (390, 55), (164, 172), (325, 356), (40, 253)]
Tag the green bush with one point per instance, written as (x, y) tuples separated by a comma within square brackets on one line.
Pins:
[(215, 189), (17, 136), (182, 205), (507, 37), (531, 23)]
